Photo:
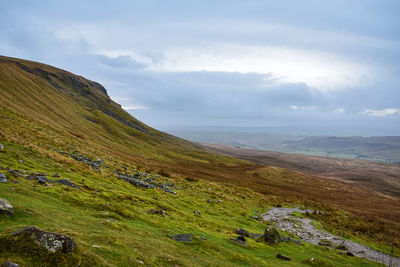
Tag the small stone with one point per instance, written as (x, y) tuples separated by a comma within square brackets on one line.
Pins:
[(3, 178), (342, 247), (140, 262), (42, 180), (271, 236), (241, 242), (324, 243), (10, 264), (279, 256), (241, 238), (56, 175), (1, 146), (209, 201), (95, 246), (67, 183), (20, 161), (202, 237), (256, 236), (296, 241), (241, 231), (183, 237), (6, 207), (348, 253)]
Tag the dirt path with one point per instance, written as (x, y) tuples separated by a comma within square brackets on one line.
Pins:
[(284, 220)]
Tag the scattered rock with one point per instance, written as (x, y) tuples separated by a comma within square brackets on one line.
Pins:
[(95, 246), (94, 164), (202, 237), (348, 253), (149, 183), (324, 243), (256, 236), (42, 180), (239, 240), (9, 264), (66, 182), (1, 146), (3, 178), (6, 207), (241, 231), (183, 237), (53, 242), (159, 212), (296, 241), (140, 262), (342, 247), (283, 219), (271, 236), (56, 175), (209, 201), (196, 213), (279, 256)]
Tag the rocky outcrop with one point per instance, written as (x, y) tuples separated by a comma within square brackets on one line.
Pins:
[(146, 180), (52, 242)]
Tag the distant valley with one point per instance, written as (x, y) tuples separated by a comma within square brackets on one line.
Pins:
[(377, 148)]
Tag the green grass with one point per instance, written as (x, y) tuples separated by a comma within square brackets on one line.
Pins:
[(139, 235)]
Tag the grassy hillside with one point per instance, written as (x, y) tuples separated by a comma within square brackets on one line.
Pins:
[(49, 116)]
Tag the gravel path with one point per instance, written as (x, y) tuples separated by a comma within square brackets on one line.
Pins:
[(284, 220)]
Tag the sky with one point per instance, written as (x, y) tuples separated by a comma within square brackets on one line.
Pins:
[(309, 67)]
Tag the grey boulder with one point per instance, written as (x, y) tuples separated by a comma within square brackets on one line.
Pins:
[(271, 236), (10, 264), (241, 231), (6, 207), (183, 237), (3, 178), (53, 242)]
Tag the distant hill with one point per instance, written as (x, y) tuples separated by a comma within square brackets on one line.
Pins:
[(379, 148)]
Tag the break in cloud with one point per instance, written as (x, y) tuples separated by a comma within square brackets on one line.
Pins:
[(333, 68)]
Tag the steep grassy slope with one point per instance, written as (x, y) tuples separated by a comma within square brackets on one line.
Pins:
[(44, 110)]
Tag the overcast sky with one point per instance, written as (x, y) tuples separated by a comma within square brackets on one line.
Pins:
[(331, 67)]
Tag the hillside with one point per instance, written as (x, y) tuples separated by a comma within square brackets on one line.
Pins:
[(76, 163)]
